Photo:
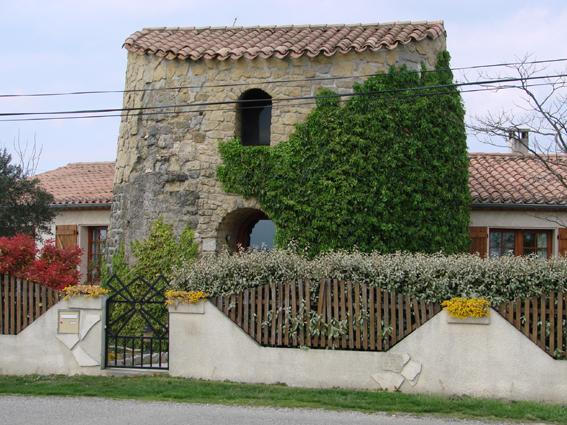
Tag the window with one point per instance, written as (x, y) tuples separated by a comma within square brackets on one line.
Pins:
[(97, 243), (254, 117), (520, 242), (263, 234)]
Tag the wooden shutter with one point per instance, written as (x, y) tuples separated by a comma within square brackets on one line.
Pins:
[(479, 240), (562, 242), (66, 236)]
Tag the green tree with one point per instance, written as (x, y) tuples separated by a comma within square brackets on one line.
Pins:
[(24, 205), (387, 170)]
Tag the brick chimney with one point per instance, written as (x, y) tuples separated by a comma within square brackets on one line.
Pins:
[(519, 140)]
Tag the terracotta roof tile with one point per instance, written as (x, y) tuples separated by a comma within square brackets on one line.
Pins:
[(280, 42), (80, 183), (502, 179), (517, 179)]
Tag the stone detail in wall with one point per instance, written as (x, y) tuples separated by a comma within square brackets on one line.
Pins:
[(396, 369), (79, 344), (166, 163)]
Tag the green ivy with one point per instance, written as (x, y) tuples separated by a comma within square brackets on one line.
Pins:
[(382, 172)]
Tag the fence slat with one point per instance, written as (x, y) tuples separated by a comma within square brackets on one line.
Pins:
[(350, 317), (357, 316), (372, 318), (293, 312), (308, 341), (328, 315), (301, 313), (559, 344), (286, 314), (336, 314), (252, 313), (386, 326), (12, 302), (273, 303), (379, 304), (552, 322), (344, 313), (393, 318), (364, 312), (543, 318), (266, 339)]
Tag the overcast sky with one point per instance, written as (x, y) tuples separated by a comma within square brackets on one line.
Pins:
[(63, 45)]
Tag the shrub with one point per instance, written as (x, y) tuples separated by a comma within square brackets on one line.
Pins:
[(431, 277), (55, 267), (51, 266), (16, 254)]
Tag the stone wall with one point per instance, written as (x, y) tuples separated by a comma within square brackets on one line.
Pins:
[(166, 163)]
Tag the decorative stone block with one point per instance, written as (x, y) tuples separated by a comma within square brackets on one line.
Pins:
[(395, 362), (389, 381), (411, 371)]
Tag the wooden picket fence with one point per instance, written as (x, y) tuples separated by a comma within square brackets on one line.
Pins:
[(22, 302), (542, 319), (349, 316)]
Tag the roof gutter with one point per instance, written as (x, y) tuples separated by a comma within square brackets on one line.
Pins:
[(525, 207), (93, 206)]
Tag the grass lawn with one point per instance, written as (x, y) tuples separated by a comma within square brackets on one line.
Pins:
[(164, 388)]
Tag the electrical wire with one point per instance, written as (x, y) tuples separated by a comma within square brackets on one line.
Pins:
[(281, 81), (290, 98), (202, 110)]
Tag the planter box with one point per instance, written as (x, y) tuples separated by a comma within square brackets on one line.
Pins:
[(85, 302), (186, 308)]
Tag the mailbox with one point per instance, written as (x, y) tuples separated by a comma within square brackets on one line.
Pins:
[(68, 322)]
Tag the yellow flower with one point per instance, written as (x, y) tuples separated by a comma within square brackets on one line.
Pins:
[(86, 290), (462, 308), (188, 297)]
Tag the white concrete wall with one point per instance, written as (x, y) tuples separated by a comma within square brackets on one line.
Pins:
[(82, 218), (493, 360), (39, 349)]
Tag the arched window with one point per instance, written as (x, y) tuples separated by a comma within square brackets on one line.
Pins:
[(246, 228), (254, 117)]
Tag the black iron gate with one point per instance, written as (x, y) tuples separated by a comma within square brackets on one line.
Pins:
[(136, 331)]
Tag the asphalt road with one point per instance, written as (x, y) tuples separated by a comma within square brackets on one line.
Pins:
[(20, 410)]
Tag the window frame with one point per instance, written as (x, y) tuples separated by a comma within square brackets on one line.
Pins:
[(519, 239), (94, 270)]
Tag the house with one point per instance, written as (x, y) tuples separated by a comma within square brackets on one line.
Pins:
[(83, 196), (519, 205), (168, 156)]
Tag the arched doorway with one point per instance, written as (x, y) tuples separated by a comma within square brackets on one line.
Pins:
[(246, 228)]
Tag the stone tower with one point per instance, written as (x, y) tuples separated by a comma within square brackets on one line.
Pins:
[(197, 79)]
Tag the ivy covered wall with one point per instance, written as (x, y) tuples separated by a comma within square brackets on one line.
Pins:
[(385, 170)]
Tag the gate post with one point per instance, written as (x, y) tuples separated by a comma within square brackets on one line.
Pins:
[(78, 318)]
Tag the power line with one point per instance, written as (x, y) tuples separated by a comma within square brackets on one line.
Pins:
[(287, 99), (281, 81), (309, 102)]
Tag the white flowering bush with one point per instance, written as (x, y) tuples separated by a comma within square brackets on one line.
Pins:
[(431, 277)]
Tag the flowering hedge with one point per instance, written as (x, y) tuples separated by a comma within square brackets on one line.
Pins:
[(432, 277)]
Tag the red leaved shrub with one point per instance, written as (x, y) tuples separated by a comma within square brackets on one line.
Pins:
[(16, 254), (53, 267)]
